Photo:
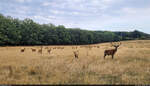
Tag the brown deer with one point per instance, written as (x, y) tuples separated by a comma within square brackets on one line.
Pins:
[(49, 50), (76, 54), (22, 50), (40, 50), (33, 50), (54, 48), (112, 51), (62, 47)]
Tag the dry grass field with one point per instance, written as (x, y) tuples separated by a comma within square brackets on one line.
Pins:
[(131, 64)]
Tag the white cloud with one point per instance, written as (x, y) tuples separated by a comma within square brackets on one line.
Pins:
[(54, 4), (23, 9), (75, 13), (79, 5), (108, 1), (57, 12), (46, 3), (22, 1), (134, 13), (129, 10), (44, 17)]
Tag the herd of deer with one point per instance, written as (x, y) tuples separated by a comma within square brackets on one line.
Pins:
[(39, 51), (76, 53)]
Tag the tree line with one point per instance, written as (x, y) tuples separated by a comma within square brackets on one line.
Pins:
[(27, 32)]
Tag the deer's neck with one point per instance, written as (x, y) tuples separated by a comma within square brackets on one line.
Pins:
[(115, 49)]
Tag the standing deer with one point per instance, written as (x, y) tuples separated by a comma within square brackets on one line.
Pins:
[(112, 51), (76, 54), (33, 50), (22, 50), (54, 48), (40, 50), (49, 50), (62, 47)]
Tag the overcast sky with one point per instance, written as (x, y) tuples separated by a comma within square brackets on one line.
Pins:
[(113, 15)]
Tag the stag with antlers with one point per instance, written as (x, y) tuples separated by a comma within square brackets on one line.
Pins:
[(112, 51)]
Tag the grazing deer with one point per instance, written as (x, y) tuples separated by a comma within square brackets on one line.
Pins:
[(22, 50), (33, 50), (97, 46), (49, 50), (54, 48), (62, 48), (76, 54), (112, 51), (40, 50), (57, 47)]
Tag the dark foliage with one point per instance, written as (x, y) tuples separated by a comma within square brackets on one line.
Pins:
[(27, 32)]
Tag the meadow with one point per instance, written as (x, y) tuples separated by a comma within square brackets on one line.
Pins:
[(131, 64)]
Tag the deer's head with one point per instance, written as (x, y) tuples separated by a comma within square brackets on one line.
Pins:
[(116, 45)]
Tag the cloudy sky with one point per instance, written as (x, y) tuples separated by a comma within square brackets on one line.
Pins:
[(113, 15)]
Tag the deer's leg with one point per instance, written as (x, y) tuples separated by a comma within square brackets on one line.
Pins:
[(104, 56), (112, 56), (76, 56)]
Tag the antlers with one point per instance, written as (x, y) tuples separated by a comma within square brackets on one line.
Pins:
[(116, 44)]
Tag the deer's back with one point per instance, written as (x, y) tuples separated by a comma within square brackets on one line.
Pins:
[(109, 52)]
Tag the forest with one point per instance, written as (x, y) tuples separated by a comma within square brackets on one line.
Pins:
[(15, 32)]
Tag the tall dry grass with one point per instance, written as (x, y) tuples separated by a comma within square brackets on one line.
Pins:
[(131, 65)]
